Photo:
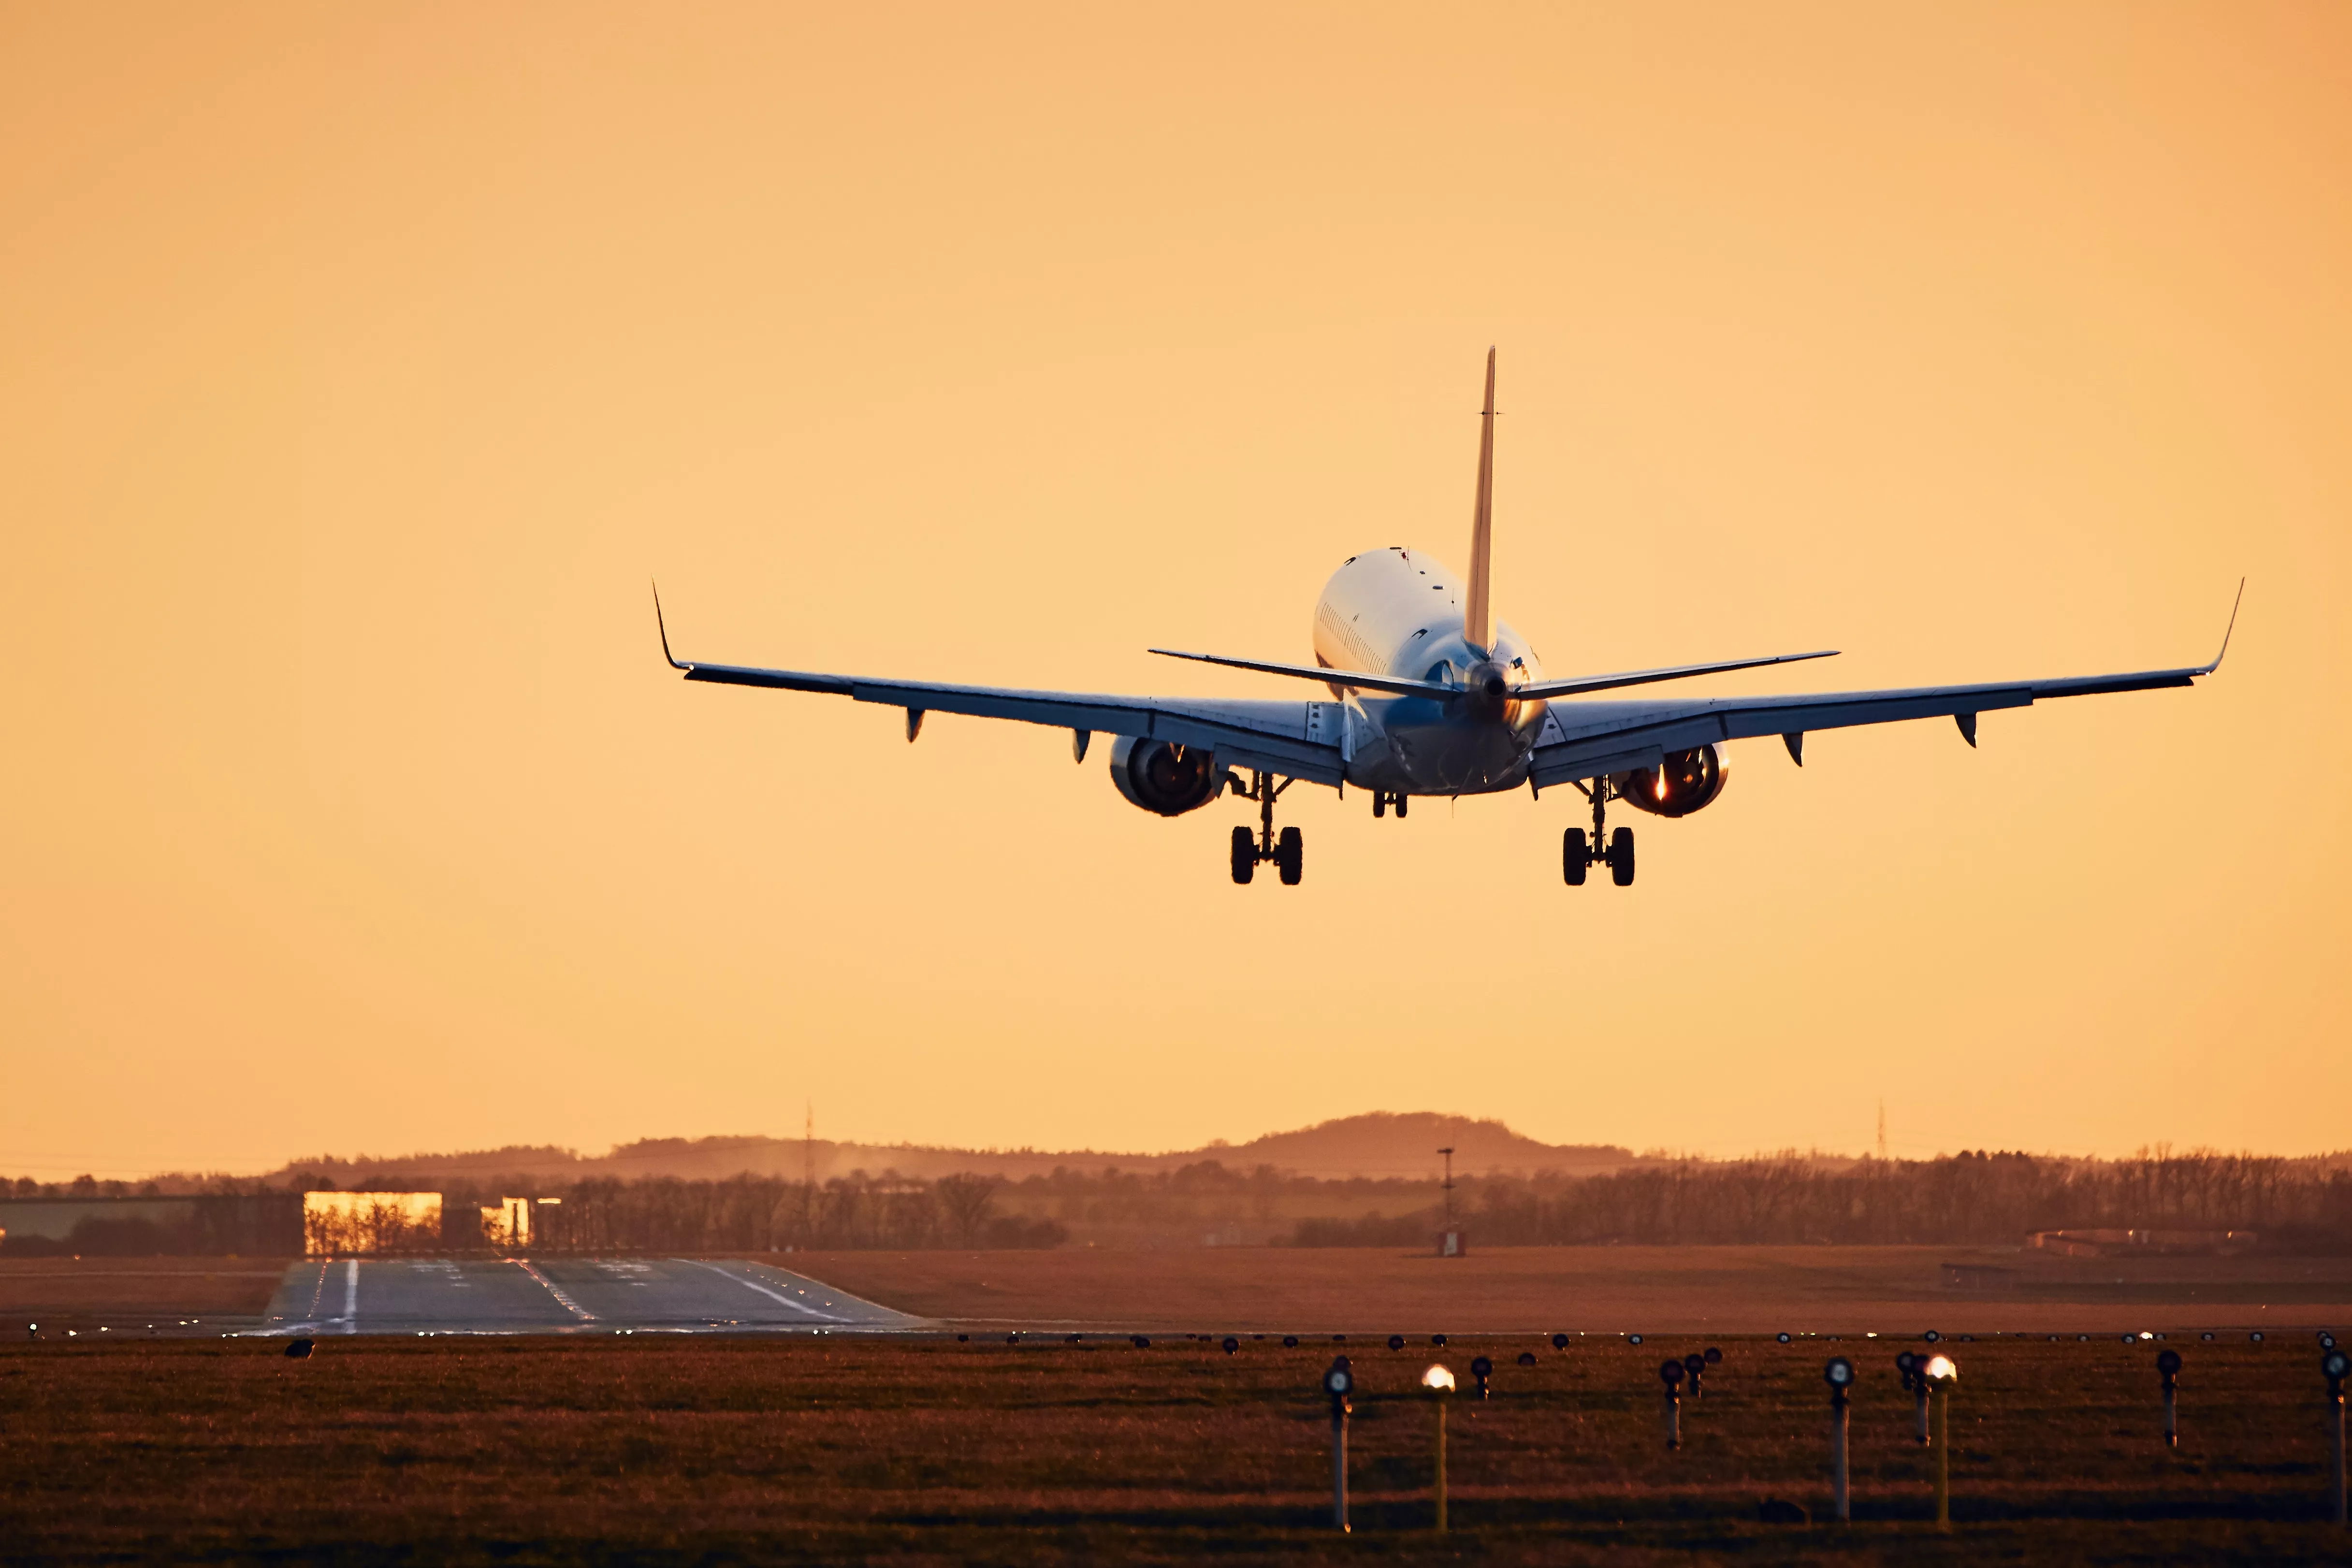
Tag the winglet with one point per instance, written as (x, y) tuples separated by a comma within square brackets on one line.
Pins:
[(1477, 627), (2232, 628), (664, 629)]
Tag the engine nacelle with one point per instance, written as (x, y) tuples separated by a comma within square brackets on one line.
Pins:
[(1162, 777), (1683, 782)]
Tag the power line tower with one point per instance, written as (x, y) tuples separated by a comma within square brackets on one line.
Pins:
[(1449, 1188), (808, 1173), (1882, 1127)]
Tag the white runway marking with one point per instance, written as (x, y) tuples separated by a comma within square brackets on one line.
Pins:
[(762, 1289), (574, 1307)]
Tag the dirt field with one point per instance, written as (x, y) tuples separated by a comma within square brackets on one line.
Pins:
[(1605, 1289), (712, 1451)]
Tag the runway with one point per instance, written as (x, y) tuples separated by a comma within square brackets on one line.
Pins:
[(565, 1296)]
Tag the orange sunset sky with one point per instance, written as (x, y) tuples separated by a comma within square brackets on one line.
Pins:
[(360, 363)]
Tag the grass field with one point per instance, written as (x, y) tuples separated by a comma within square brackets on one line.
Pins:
[(1599, 1289), (706, 1451)]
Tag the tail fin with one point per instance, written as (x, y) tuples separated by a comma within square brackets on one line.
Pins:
[(1477, 627)]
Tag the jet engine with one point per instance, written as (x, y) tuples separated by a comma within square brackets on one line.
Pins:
[(1159, 777), (1685, 782)]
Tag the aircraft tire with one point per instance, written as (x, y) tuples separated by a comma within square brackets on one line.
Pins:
[(1574, 858), (1379, 804), (1244, 855), (1290, 856), (1400, 804), (1620, 856)]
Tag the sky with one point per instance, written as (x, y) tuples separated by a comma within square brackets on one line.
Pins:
[(361, 365)]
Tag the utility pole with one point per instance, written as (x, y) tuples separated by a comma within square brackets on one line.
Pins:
[(1449, 1188), (1882, 1127), (808, 1173)]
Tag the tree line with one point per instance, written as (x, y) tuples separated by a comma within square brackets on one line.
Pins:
[(1976, 1197), (1980, 1198)]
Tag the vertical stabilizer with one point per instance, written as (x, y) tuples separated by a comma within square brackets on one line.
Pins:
[(1477, 627)]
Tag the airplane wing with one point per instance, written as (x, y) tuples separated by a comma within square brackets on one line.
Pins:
[(1296, 740), (1588, 740)]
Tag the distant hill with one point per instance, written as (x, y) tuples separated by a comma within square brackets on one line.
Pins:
[(1381, 1144)]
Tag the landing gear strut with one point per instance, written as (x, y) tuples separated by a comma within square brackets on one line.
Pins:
[(1286, 850), (1383, 799), (1577, 855)]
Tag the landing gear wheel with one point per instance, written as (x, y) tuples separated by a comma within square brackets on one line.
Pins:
[(1399, 799), (1620, 856), (1289, 855), (1379, 804), (1244, 855), (1574, 858)]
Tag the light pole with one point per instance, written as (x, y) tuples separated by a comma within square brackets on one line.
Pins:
[(1440, 1384), (2335, 1367), (2167, 1367), (1339, 1382), (1839, 1374), (1938, 1375)]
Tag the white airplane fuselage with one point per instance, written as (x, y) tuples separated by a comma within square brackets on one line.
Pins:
[(1399, 612)]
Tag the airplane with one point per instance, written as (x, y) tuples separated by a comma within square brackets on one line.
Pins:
[(1431, 695)]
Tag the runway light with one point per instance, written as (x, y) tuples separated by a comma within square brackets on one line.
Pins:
[(1782, 1338), (1559, 1342), (1940, 1369), (1290, 1342), (1396, 1342), (1232, 1344), (1482, 1369), (1527, 1358), (1339, 1381), (1437, 1380), (1839, 1375)]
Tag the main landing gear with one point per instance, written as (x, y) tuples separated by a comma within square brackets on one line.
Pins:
[(1577, 855), (1285, 849), (1383, 799)]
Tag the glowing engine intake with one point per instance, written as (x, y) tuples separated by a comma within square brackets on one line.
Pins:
[(1158, 776), (1683, 782)]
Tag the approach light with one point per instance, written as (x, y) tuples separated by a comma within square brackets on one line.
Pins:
[(1482, 1369), (1940, 1369), (2256, 1337), (1670, 1372), (1633, 1339), (1782, 1338), (2169, 1362), (1713, 1357), (2335, 1367), (1527, 1358), (1290, 1342), (1341, 1381), (1396, 1342), (1437, 1380), (1931, 1336), (1232, 1344), (1438, 1340), (1839, 1373), (1142, 1342)]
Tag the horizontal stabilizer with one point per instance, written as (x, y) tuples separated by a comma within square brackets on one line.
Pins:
[(1578, 685), (1394, 685)]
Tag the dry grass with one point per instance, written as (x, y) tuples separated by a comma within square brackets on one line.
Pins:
[(708, 1451), (1598, 1289)]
